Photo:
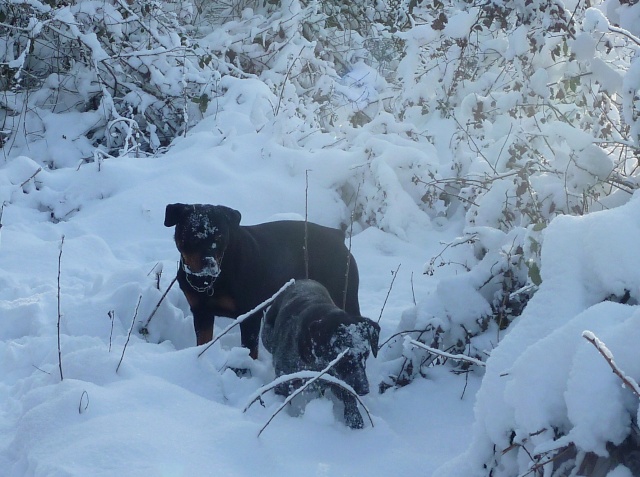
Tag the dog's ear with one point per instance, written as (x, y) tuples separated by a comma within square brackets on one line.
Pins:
[(173, 213), (371, 333), (232, 215)]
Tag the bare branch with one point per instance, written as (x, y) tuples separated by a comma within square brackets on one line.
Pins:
[(129, 335), (444, 354), (59, 312), (248, 314), (144, 329), (346, 273), (395, 274), (628, 381), (312, 377), (31, 177)]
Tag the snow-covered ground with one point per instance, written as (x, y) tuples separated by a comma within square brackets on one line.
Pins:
[(166, 411), (547, 394)]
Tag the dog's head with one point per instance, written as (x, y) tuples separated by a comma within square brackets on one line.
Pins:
[(339, 331), (202, 235)]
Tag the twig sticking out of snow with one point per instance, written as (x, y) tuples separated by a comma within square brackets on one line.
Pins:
[(59, 312), (112, 316), (311, 377), (135, 314), (24, 183), (628, 381), (444, 354), (81, 409), (157, 271), (144, 330), (346, 272), (243, 317), (395, 274)]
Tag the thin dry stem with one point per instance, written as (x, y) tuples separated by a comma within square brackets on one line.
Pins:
[(59, 310), (146, 324), (135, 315), (395, 274)]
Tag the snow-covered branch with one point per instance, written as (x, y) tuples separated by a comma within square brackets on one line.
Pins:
[(444, 354), (628, 381)]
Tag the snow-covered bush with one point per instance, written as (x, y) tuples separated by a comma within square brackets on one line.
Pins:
[(126, 76), (533, 109), (549, 403), (506, 114)]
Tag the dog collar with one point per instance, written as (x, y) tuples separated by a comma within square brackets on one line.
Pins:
[(193, 278)]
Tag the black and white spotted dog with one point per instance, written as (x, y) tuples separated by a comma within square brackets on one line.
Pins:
[(305, 330)]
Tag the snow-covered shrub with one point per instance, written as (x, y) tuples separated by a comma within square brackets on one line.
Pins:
[(549, 403), (125, 76), (506, 113), (535, 101), (535, 107)]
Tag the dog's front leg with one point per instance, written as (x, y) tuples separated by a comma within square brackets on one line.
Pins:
[(250, 333), (203, 317), (352, 416), (203, 322)]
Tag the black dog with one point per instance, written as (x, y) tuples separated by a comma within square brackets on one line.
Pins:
[(305, 330), (227, 269)]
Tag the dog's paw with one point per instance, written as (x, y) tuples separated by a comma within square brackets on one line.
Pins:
[(352, 416), (353, 419)]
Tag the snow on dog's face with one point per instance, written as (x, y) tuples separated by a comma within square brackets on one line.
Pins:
[(358, 334), (201, 235)]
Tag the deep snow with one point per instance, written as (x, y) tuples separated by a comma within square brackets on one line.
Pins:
[(169, 412), (166, 411)]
